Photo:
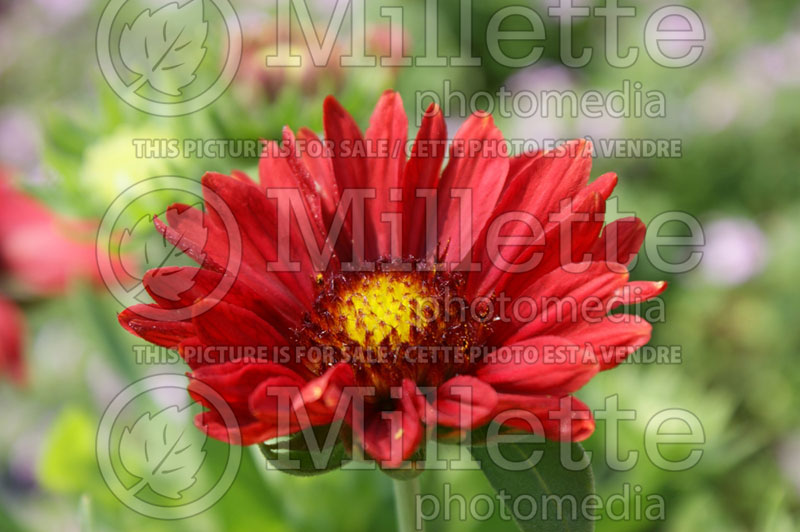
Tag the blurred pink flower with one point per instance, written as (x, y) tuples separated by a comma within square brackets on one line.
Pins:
[(11, 333), (41, 251), (41, 256), (261, 39)]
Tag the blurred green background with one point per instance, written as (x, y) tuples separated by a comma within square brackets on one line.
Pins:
[(69, 140)]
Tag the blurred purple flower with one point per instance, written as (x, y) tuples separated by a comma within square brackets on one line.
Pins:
[(735, 251), (716, 105), (542, 77), (789, 459), (604, 127), (19, 140), (63, 9), (676, 47)]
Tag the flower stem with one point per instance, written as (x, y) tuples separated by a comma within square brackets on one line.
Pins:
[(405, 494)]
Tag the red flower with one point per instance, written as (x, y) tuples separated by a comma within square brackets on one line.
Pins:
[(454, 260), (39, 257)]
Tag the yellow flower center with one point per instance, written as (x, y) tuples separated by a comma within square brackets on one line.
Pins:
[(385, 306), (392, 325)]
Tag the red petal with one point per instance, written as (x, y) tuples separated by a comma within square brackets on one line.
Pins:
[(235, 382), (271, 403), (547, 179), (464, 402), (386, 143), (281, 168), (614, 338), (620, 241), (192, 351), (256, 222), (247, 430), (205, 239), (478, 164), (273, 168), (317, 159), (581, 222), (392, 436), (323, 400), (182, 287), (422, 173), (144, 322), (344, 135), (220, 324), (540, 365), (638, 292), (556, 418), (189, 243), (303, 181), (560, 299), (520, 165)]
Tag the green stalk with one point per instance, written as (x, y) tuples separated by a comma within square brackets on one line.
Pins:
[(405, 494)]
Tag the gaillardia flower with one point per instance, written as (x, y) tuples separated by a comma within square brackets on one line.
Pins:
[(366, 287)]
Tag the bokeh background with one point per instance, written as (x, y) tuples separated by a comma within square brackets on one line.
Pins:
[(67, 140)]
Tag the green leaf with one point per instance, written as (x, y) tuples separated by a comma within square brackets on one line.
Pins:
[(481, 435), (293, 454), (538, 473)]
